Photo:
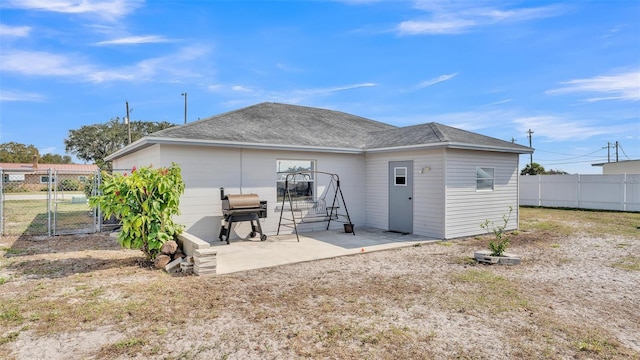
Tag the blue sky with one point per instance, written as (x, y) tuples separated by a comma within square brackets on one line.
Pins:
[(569, 71)]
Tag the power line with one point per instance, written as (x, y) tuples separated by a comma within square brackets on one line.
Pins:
[(625, 154), (573, 156)]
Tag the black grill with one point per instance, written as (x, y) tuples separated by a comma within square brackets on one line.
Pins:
[(242, 207)]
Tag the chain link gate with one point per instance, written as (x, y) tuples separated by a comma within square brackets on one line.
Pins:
[(48, 203)]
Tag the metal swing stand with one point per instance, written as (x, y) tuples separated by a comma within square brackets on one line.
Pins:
[(309, 210)]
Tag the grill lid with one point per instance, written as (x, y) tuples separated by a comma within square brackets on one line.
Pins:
[(244, 201)]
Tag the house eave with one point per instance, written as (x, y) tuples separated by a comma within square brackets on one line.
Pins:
[(451, 145), (148, 141)]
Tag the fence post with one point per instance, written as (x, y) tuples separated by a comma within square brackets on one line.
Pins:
[(624, 193), (1, 202), (539, 190), (579, 191)]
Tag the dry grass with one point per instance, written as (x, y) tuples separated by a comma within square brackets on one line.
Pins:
[(574, 296)]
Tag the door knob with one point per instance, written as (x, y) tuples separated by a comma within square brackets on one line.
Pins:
[(410, 198)]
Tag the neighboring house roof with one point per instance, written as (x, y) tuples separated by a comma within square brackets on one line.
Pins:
[(621, 162), (83, 168), (282, 126)]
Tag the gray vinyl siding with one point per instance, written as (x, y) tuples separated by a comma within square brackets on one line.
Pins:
[(428, 190), (466, 207), (141, 158), (245, 171)]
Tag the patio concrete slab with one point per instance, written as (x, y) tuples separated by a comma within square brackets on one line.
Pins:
[(244, 254)]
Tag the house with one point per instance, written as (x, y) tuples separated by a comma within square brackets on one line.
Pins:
[(429, 179), (620, 167), (34, 176)]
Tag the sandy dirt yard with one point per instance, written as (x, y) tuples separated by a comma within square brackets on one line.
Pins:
[(576, 295)]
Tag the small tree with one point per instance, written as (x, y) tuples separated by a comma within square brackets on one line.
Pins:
[(145, 202), (500, 242), (532, 169)]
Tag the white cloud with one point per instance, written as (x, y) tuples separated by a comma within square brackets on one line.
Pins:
[(557, 128), (499, 102), (241, 88), (108, 9), (293, 96), (624, 86), (132, 40), (15, 31), (73, 67), (337, 88), (416, 27), (434, 81), (454, 17), (8, 95), (41, 64)]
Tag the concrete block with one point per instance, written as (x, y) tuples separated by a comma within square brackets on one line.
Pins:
[(173, 266), (484, 256), (190, 243)]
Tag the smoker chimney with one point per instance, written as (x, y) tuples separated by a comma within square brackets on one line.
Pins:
[(35, 162)]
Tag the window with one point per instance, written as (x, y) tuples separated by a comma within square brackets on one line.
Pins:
[(13, 177), (301, 186), (44, 179), (484, 178), (400, 176)]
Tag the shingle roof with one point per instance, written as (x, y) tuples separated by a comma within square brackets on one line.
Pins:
[(283, 125), (434, 133), (273, 123)]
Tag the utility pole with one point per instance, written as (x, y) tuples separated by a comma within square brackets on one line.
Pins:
[(530, 133), (128, 121), (617, 151), (608, 152), (185, 106)]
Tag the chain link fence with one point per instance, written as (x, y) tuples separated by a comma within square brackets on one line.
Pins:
[(47, 202)]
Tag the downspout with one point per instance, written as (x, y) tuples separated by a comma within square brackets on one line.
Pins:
[(241, 172), (445, 171), (518, 192)]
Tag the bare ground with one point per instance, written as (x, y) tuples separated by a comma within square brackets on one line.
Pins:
[(576, 295)]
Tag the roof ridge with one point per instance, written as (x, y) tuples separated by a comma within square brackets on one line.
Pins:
[(436, 130)]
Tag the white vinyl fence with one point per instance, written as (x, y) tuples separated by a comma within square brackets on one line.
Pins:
[(602, 192)]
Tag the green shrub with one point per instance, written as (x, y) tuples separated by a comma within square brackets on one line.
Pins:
[(87, 186), (12, 187), (69, 185), (500, 242), (145, 202)]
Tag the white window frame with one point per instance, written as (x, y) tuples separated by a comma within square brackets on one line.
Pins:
[(13, 178), (281, 175), (53, 179), (480, 179), (396, 176)]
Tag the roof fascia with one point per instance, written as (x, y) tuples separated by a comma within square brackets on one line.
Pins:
[(451, 145), (148, 141), (145, 142)]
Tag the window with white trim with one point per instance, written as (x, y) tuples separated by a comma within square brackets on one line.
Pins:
[(485, 178), (301, 186), (13, 177), (44, 179), (400, 176)]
